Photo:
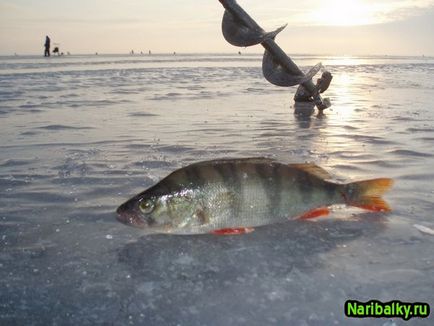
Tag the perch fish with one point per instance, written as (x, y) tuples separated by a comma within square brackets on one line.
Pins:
[(233, 196)]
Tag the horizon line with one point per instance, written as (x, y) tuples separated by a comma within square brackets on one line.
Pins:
[(235, 53)]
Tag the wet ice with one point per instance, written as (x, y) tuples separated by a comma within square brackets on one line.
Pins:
[(80, 135)]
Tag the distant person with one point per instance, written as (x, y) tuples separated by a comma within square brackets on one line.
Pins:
[(47, 46)]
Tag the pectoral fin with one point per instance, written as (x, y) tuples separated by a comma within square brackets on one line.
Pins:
[(232, 231), (202, 216), (314, 213)]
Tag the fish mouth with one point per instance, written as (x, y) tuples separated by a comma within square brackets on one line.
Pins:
[(128, 217)]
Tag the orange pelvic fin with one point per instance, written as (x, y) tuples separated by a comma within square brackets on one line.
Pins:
[(367, 194), (232, 231), (314, 213)]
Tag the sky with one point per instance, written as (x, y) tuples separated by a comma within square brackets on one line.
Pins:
[(337, 27)]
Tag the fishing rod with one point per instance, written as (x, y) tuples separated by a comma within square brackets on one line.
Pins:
[(239, 29)]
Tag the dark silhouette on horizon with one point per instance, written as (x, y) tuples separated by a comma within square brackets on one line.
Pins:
[(57, 51), (47, 46)]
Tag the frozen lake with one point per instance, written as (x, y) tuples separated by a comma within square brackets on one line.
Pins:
[(81, 134)]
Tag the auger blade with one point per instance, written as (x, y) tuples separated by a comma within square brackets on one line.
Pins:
[(276, 74), (240, 29), (239, 34), (273, 34), (313, 71)]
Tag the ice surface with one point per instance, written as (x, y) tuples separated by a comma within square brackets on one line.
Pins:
[(79, 135)]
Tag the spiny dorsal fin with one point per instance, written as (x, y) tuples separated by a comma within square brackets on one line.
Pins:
[(312, 168), (251, 160)]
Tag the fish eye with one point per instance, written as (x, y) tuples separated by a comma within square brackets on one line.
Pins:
[(146, 206)]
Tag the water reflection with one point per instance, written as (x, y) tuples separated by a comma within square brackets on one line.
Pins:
[(332, 138), (303, 112), (345, 95), (345, 98), (304, 109), (344, 61)]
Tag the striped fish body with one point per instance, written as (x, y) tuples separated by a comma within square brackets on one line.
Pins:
[(255, 192), (232, 193)]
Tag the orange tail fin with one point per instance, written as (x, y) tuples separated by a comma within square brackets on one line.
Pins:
[(367, 194)]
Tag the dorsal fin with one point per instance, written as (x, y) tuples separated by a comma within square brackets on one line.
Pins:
[(251, 160), (312, 168)]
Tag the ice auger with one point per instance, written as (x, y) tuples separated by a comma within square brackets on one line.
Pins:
[(239, 29)]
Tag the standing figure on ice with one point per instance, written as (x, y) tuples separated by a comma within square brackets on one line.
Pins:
[(47, 46)]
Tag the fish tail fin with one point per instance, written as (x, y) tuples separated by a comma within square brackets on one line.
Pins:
[(367, 194)]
